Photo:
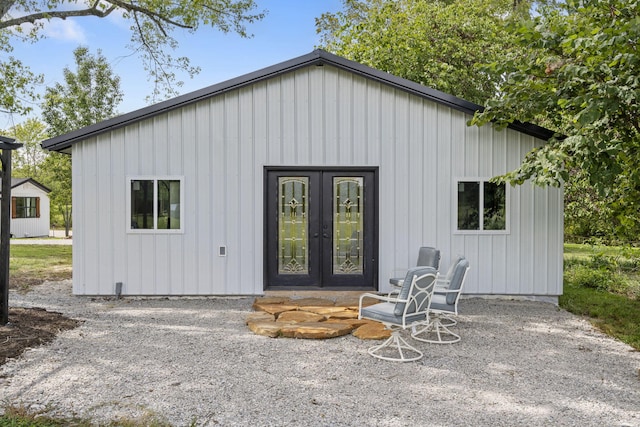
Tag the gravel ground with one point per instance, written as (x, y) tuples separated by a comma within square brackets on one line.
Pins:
[(192, 361)]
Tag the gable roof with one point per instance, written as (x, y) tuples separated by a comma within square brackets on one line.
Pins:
[(17, 182), (317, 57)]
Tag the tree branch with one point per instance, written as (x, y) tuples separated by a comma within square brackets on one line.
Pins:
[(157, 18), (93, 11), (5, 5), (149, 49)]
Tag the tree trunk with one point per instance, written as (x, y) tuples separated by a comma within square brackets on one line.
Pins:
[(67, 220)]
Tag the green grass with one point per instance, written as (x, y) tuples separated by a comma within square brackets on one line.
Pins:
[(33, 264), (583, 252), (615, 315), (602, 283), (19, 416)]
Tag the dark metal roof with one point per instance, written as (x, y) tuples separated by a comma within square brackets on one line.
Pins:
[(16, 182), (317, 57)]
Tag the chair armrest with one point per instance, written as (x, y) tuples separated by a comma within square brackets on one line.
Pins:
[(441, 285), (396, 277), (384, 298), (393, 292), (447, 291)]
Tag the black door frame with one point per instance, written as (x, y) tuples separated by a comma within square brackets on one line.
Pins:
[(373, 239)]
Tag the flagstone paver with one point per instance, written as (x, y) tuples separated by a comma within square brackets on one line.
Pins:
[(312, 318), (372, 331), (275, 309), (315, 330), (312, 302), (264, 328), (260, 316), (299, 317)]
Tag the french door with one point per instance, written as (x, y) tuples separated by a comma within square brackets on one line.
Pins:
[(320, 228)]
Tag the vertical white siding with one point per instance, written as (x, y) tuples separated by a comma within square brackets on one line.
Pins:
[(315, 116), (31, 227)]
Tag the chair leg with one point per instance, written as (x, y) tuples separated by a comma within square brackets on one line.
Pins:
[(397, 345), (436, 332), (447, 320)]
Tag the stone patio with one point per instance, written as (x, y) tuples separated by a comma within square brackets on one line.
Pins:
[(312, 318)]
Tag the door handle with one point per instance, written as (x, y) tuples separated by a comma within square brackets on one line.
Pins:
[(315, 235), (325, 235)]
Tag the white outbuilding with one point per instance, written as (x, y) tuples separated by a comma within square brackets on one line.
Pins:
[(29, 208), (315, 173)]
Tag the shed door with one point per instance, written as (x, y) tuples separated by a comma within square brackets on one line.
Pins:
[(320, 229)]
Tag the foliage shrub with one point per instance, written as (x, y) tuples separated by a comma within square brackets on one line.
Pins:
[(601, 279), (604, 273)]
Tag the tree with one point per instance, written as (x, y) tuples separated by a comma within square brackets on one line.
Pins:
[(151, 25), (435, 43), (57, 176), (587, 214), (89, 95), (27, 162), (581, 79)]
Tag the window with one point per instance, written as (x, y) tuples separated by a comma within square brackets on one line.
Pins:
[(25, 207), (482, 206), (155, 204)]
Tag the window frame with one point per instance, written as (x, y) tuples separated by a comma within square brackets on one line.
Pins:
[(23, 209), (155, 229), (481, 231)]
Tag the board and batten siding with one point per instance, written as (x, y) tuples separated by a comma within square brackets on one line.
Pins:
[(314, 116)]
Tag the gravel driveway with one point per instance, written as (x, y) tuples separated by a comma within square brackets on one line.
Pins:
[(193, 361)]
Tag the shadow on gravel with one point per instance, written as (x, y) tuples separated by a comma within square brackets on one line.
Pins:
[(519, 363)]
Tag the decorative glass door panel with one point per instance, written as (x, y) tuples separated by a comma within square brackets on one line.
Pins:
[(319, 230), (348, 256), (293, 225)]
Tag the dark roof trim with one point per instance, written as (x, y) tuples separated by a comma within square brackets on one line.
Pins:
[(16, 182), (317, 57)]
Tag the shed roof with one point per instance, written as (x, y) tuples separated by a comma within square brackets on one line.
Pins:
[(317, 57)]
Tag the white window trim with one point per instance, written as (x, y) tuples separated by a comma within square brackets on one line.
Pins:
[(481, 180), (155, 179)]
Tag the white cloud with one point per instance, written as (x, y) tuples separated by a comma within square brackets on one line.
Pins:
[(58, 29), (117, 18), (65, 30)]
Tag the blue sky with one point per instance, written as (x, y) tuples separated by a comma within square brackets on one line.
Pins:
[(287, 31)]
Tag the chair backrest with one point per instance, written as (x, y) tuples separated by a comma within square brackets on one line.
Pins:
[(428, 257), (452, 267), (417, 288), (456, 281)]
